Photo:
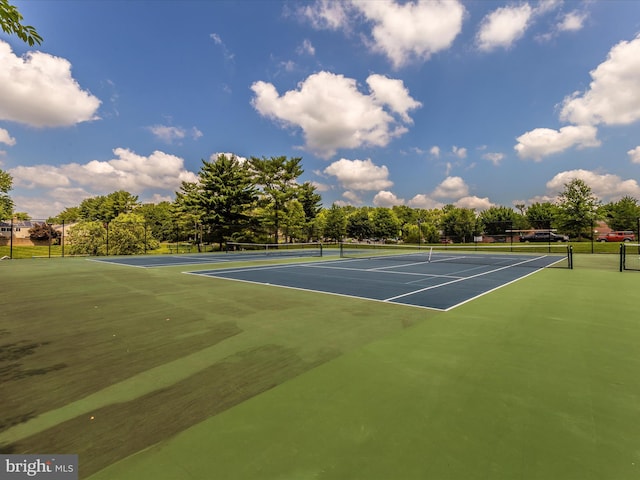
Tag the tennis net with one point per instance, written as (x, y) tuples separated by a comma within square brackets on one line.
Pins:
[(532, 256), (629, 256), (311, 249)]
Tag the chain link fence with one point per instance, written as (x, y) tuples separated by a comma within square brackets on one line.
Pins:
[(39, 239)]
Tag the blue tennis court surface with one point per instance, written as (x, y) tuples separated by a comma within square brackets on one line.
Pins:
[(153, 261), (442, 283)]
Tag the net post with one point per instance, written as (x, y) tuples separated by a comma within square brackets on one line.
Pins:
[(622, 253), (570, 253), (321, 252)]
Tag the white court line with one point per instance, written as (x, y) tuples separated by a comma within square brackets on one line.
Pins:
[(461, 279), (351, 269), (216, 274), (424, 307)]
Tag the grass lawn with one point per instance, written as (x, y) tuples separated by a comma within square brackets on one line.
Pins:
[(149, 373)]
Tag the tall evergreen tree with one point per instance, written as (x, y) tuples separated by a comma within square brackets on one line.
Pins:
[(225, 196), (276, 177), (311, 205)]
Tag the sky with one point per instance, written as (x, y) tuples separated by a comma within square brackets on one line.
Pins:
[(387, 102)]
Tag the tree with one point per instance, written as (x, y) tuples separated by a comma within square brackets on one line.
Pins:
[(406, 216), (223, 198), (542, 215), (276, 178), (623, 214), (6, 204), (129, 235), (68, 215), (158, 216), (359, 224), (106, 208), (43, 231), (335, 223), (293, 220), (87, 238), (186, 212), (11, 23), (384, 223), (577, 209), (500, 221), (311, 205), (459, 223), (428, 221)]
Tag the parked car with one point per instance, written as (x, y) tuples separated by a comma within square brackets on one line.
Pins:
[(625, 236), (544, 237)]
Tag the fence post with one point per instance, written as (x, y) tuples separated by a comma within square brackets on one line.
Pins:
[(11, 239)]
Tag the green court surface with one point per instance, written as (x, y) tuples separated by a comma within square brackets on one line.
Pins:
[(148, 373)]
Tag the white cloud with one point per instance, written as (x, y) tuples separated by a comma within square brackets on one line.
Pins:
[(128, 171), (6, 138), (214, 156), (326, 14), (170, 134), (306, 48), (503, 27), (40, 176), (435, 151), (542, 199), (541, 142), (359, 174), (56, 201), (494, 157), (384, 198), (391, 92), (545, 6), (38, 90), (288, 66), (448, 168), (451, 187), (475, 203), (572, 22), (459, 152), (568, 23), (424, 201), (607, 187), (217, 39), (413, 30), (352, 197), (333, 114), (321, 187), (613, 97), (634, 154)]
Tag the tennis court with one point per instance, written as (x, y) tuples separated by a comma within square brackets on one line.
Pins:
[(428, 278), (241, 252)]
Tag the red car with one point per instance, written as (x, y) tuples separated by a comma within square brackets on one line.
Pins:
[(626, 236)]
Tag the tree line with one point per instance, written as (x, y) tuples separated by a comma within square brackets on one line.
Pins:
[(261, 200)]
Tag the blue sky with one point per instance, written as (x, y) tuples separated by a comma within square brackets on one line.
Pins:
[(420, 103)]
